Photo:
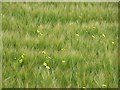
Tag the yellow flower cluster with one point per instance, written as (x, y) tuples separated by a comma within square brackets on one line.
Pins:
[(63, 61), (45, 64), (39, 33), (22, 58)]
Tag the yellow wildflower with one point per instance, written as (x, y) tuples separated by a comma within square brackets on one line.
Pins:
[(43, 52), (20, 61), (62, 49), (113, 42), (23, 55), (77, 34), (47, 67), (83, 87), (38, 31), (41, 34), (44, 64), (104, 85), (63, 61), (93, 36), (49, 57), (103, 35)]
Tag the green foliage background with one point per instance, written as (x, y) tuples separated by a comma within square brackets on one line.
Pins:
[(84, 35)]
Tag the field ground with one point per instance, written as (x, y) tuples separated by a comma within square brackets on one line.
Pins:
[(60, 45)]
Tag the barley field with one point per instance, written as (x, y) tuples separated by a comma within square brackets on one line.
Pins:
[(60, 45)]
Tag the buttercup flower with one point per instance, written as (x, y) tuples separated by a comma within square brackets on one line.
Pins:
[(93, 36), (63, 61), (38, 31), (77, 34), (83, 87), (47, 67), (62, 49), (113, 42), (49, 57), (23, 55), (43, 52), (44, 64), (41, 34), (104, 85), (20, 61), (103, 35)]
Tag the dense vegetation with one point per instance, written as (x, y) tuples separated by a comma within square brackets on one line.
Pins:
[(60, 45)]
